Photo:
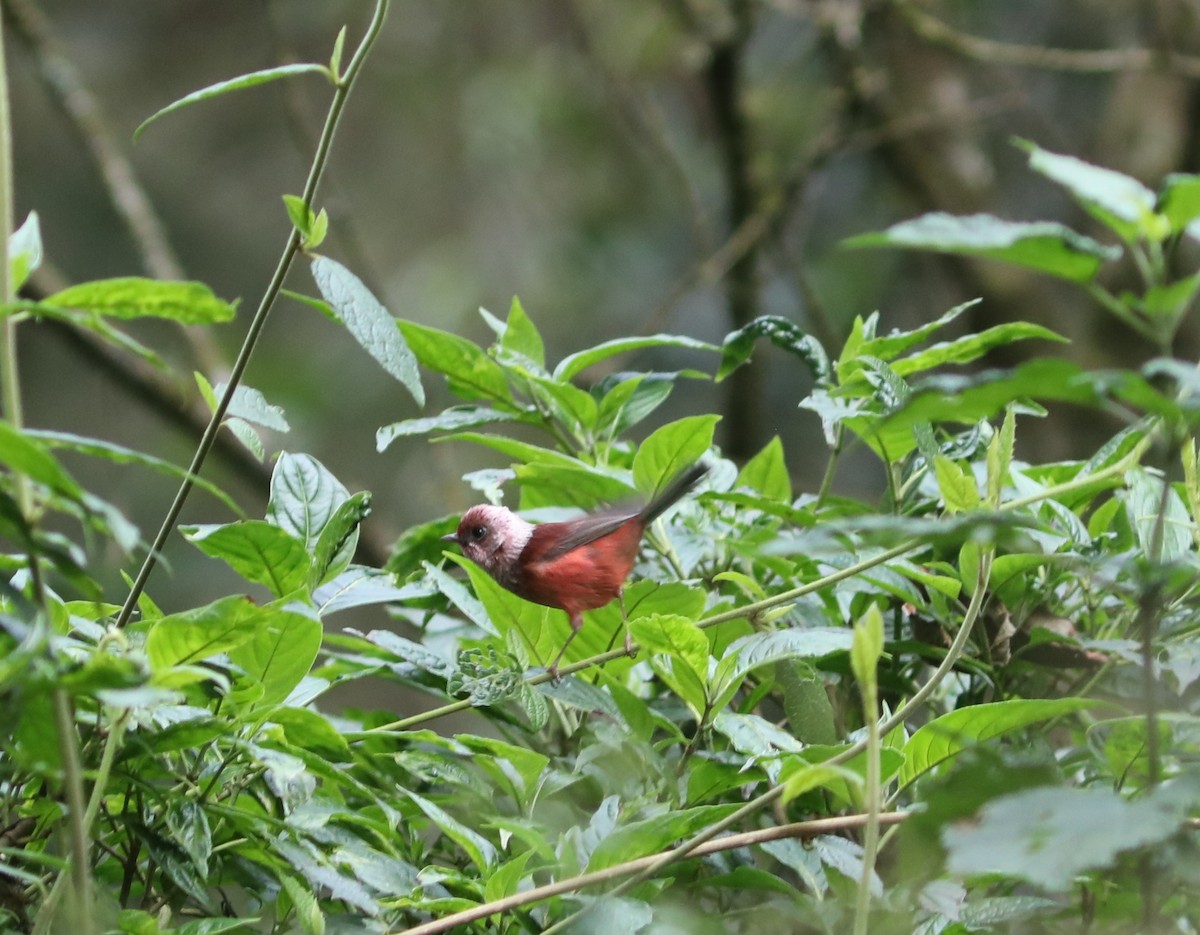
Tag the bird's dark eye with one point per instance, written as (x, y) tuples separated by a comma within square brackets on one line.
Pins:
[(478, 532)]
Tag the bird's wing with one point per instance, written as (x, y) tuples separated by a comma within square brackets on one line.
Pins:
[(553, 540)]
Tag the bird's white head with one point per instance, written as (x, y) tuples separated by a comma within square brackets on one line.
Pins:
[(492, 537)]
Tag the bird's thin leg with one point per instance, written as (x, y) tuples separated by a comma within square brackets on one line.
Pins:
[(629, 650), (576, 623)]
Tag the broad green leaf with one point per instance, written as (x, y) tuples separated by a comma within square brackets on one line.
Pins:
[(304, 496), (542, 629), (767, 473), (575, 408), (528, 764), (670, 449), (574, 363), (311, 730), (189, 303), (194, 635), (559, 485), (414, 654), (957, 485), (521, 335), (371, 325), (746, 654), (280, 654), (504, 882), (631, 399), (1117, 195), (784, 334), (1165, 301), (944, 737), (755, 735), (119, 454), (233, 84), (675, 636), (652, 835), (24, 454), (304, 902), (24, 252), (519, 450), (1144, 503), (469, 372), (1048, 836), (1041, 245), (454, 419), (804, 777), (257, 550), (478, 848)]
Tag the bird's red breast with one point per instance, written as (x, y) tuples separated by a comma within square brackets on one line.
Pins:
[(556, 572)]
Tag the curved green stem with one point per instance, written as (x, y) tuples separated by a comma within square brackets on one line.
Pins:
[(320, 160)]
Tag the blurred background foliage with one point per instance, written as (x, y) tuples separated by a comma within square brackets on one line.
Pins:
[(624, 166)]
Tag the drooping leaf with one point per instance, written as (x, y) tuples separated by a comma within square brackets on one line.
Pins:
[(571, 365), (233, 84), (784, 334), (1041, 245), (371, 325), (189, 303)]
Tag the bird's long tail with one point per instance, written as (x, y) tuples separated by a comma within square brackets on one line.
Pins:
[(684, 481)]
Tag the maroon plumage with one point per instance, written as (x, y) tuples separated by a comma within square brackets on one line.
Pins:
[(577, 565)]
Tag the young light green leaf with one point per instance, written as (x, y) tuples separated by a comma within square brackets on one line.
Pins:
[(233, 84), (670, 449), (280, 654), (867, 648), (574, 363), (944, 737), (1118, 196), (304, 902), (652, 835), (999, 457), (249, 405), (675, 636), (972, 346), (257, 550), (24, 454), (318, 231), (891, 346), (24, 252), (335, 545), (189, 303), (957, 485), (469, 372), (299, 213), (767, 473), (184, 638), (1041, 245), (478, 848), (631, 399), (521, 336), (1179, 203), (804, 777), (368, 322)]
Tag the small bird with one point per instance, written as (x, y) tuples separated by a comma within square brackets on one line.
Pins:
[(575, 566)]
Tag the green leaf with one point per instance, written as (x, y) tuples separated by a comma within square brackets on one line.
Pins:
[(785, 335), (675, 636), (1117, 196), (257, 550), (893, 345), (27, 455), (478, 848), (338, 540), (189, 303), (652, 835), (119, 454), (453, 419), (521, 336), (574, 363), (304, 497), (542, 629), (957, 485), (194, 635), (747, 653), (469, 372), (972, 347), (251, 406), (631, 399), (1048, 836), (559, 484), (310, 730), (767, 473), (1042, 245), (944, 737), (280, 654), (804, 777), (234, 84), (24, 252), (1144, 504), (299, 213), (368, 322), (670, 449), (867, 648), (308, 910), (1179, 202)]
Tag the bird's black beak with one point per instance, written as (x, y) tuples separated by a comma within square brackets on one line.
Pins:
[(450, 538)]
